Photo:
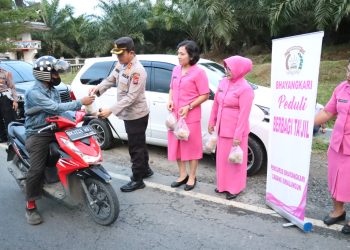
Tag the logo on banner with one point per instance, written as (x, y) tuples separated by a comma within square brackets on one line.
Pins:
[(294, 59)]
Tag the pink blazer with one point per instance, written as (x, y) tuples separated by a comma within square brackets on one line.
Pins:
[(339, 104), (233, 101), (187, 88)]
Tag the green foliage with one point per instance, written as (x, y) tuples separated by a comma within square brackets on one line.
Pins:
[(323, 13), (220, 27), (58, 40), (13, 22), (319, 145), (120, 18)]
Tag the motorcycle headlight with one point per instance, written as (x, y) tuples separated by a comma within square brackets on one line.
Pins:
[(87, 158), (266, 112)]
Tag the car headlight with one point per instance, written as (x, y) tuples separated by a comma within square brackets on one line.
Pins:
[(86, 158), (266, 112)]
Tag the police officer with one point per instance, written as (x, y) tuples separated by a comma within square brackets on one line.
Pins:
[(8, 102), (130, 77)]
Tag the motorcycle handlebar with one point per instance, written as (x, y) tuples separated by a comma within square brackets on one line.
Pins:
[(49, 127)]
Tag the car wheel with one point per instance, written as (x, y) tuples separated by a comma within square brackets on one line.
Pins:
[(104, 136), (256, 156)]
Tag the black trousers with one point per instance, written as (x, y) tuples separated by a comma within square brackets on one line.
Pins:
[(37, 146), (7, 115), (136, 130)]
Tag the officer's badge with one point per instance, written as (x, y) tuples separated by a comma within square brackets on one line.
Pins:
[(135, 78)]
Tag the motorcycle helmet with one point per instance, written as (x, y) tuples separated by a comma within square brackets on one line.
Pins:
[(45, 66)]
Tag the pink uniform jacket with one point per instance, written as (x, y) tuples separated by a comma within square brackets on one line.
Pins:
[(187, 88), (233, 101), (339, 104)]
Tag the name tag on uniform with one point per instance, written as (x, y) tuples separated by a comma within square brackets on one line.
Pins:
[(125, 76), (174, 77), (220, 90), (343, 100)]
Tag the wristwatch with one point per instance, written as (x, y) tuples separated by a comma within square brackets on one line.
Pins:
[(190, 106)]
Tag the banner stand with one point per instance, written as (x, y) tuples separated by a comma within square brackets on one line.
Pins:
[(295, 65), (303, 225)]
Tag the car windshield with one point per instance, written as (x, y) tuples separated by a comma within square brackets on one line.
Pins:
[(21, 71), (214, 71)]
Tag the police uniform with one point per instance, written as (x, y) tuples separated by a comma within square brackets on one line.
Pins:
[(131, 106), (7, 96)]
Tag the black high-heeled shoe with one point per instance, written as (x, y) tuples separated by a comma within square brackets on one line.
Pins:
[(328, 220), (230, 196), (190, 187), (175, 184), (218, 192)]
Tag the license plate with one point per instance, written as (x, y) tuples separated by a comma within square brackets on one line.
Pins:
[(80, 133)]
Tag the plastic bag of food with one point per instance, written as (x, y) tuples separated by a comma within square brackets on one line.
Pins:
[(91, 109), (170, 122), (181, 130), (236, 155), (209, 142)]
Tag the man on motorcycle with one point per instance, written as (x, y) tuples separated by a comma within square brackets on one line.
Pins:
[(42, 101)]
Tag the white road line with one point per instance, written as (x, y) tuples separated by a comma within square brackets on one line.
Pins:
[(218, 200)]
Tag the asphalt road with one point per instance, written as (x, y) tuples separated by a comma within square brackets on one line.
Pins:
[(156, 217)]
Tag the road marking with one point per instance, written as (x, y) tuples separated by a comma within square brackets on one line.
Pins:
[(218, 200)]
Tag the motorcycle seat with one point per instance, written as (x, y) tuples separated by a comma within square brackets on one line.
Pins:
[(20, 133)]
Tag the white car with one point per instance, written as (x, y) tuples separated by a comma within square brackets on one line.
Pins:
[(159, 69)]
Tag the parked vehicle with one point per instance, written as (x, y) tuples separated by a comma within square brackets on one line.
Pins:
[(24, 79), (74, 167), (159, 69)]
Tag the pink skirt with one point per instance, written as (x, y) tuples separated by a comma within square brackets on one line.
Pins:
[(186, 150), (339, 175), (230, 177)]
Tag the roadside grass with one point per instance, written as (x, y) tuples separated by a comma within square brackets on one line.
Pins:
[(68, 77), (319, 145)]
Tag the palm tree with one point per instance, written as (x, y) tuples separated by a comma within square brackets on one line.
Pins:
[(210, 23), (324, 13), (121, 18), (57, 41)]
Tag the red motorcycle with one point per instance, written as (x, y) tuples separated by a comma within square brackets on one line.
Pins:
[(74, 167)]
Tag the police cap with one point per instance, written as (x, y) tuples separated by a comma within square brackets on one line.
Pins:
[(122, 44)]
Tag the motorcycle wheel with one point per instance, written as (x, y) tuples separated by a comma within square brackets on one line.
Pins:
[(105, 206)]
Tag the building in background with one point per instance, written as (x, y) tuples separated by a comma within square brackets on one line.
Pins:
[(26, 48)]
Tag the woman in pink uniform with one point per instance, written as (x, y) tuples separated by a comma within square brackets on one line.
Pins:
[(188, 89), (338, 151), (230, 116)]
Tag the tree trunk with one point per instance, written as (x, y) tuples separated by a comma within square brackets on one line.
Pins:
[(19, 3)]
